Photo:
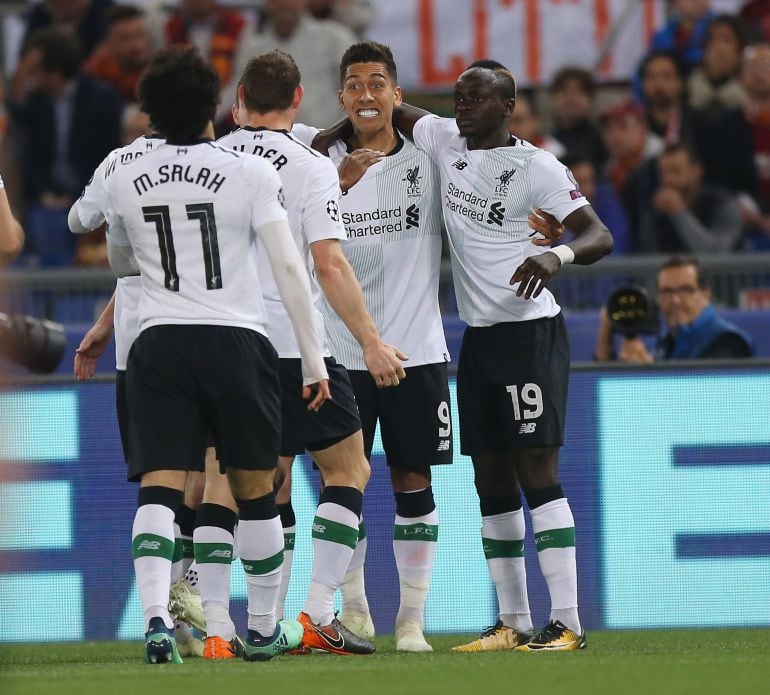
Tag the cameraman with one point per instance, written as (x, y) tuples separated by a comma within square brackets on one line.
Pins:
[(694, 329), (11, 234)]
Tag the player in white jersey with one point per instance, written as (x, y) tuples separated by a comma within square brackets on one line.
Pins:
[(514, 361), (269, 94), (393, 224), (187, 216), (120, 317)]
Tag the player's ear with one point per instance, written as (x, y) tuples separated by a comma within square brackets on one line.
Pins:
[(399, 96), (341, 103), (510, 105), (299, 92)]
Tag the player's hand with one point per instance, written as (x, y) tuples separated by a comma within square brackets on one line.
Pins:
[(544, 223), (535, 273), (354, 166), (384, 364), (317, 394), (634, 351), (90, 350)]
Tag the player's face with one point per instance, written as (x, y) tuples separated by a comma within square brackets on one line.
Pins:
[(681, 299), (368, 96), (479, 108)]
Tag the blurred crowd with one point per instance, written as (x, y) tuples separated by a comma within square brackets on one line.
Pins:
[(678, 160)]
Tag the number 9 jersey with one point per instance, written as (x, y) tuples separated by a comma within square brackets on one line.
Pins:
[(190, 213)]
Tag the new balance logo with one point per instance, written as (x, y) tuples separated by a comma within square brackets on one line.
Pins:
[(223, 553), (412, 217), (443, 445), (527, 427), (496, 214), (149, 545), (460, 164)]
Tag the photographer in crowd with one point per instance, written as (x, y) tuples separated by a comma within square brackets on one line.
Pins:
[(695, 331)]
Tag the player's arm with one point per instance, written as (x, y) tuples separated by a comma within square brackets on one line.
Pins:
[(345, 296), (11, 233), (405, 117), (94, 342), (294, 287), (341, 130)]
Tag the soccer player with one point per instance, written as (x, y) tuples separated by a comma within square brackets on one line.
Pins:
[(269, 95), (514, 361), (188, 215), (393, 222)]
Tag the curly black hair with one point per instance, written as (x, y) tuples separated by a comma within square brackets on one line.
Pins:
[(368, 52), (179, 91)]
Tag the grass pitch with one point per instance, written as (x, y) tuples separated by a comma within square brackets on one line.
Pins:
[(656, 662)]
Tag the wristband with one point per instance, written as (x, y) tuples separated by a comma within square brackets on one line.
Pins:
[(565, 254)]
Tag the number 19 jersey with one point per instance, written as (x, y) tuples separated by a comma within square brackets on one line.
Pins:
[(190, 213)]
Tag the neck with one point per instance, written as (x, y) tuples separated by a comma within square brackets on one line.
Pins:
[(273, 120), (383, 140), (499, 137)]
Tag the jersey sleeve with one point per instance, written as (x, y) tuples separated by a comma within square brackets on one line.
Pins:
[(116, 229), (92, 203), (321, 216), (304, 133), (264, 185), (427, 134), (554, 188)]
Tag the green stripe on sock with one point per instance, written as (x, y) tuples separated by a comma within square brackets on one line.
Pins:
[(263, 566), (495, 548), (288, 541), (150, 545), (187, 547), (415, 532), (361, 531), (209, 553), (555, 538), (178, 551), (327, 530)]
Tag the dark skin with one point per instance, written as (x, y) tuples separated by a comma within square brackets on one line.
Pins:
[(482, 109)]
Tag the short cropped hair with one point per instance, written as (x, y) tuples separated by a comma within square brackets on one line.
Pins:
[(269, 82), (121, 13), (505, 82), (680, 261), (60, 50), (369, 52), (676, 147), (179, 91), (574, 74)]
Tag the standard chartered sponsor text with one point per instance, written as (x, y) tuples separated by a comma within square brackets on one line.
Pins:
[(474, 209), (389, 222)]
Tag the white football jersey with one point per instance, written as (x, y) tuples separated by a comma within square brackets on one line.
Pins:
[(311, 189), (91, 207), (392, 220), (190, 213), (487, 196)]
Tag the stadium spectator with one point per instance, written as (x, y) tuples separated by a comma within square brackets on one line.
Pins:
[(357, 15), (663, 90), (124, 53), (69, 122), (695, 330), (603, 199), (685, 32), (715, 83), (572, 93), (525, 123), (85, 19), (316, 46), (688, 215), (11, 233), (756, 79), (630, 170), (216, 31), (719, 130)]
